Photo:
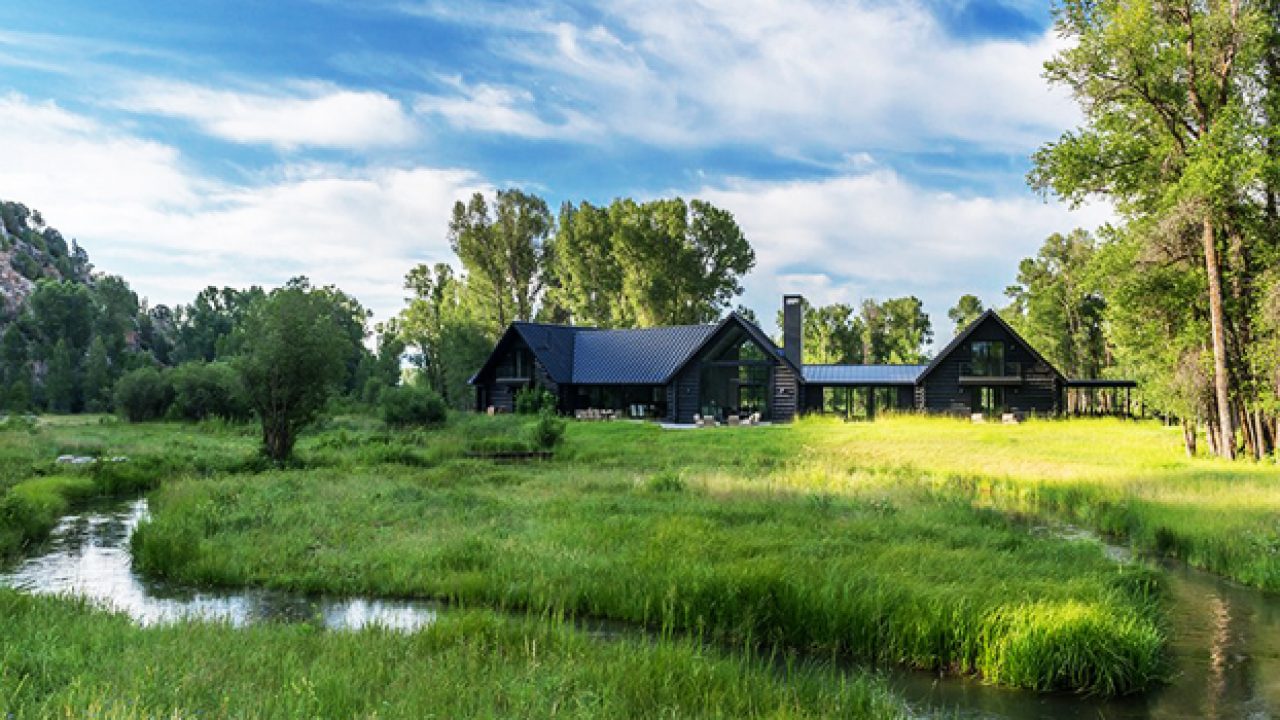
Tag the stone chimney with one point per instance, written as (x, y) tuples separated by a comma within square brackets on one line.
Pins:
[(793, 328)]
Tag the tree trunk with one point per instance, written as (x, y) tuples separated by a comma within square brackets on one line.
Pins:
[(1212, 436), (1246, 430), (1260, 436), (1189, 437), (1221, 381)]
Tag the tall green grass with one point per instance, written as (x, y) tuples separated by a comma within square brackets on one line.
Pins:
[(61, 659), (877, 570)]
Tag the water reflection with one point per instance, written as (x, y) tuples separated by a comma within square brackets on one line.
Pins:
[(1225, 656), (87, 555), (1225, 642)]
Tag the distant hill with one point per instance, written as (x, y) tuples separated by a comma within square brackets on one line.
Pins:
[(30, 251)]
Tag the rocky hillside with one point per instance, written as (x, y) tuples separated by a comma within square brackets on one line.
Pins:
[(29, 251)]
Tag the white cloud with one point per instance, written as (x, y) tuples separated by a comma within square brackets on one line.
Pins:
[(308, 114), (501, 109), (802, 74), (141, 212), (876, 235)]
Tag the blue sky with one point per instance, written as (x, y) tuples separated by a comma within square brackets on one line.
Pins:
[(866, 148)]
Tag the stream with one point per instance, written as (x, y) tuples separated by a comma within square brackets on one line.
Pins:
[(1225, 641)]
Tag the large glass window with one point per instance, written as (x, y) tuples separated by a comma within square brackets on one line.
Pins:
[(517, 364), (988, 400), (735, 379), (987, 358)]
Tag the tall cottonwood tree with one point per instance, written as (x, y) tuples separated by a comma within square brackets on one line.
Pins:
[(442, 327), (1169, 131), (1058, 306), (662, 262), (503, 251)]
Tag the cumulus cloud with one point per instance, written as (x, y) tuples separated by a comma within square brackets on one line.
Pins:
[(304, 115), (142, 212), (877, 235), (803, 74)]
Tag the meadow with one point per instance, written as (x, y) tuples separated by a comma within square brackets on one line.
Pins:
[(901, 542)]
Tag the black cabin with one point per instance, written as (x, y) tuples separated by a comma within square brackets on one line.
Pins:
[(733, 368)]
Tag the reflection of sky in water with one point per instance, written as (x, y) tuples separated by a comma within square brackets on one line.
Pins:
[(88, 555), (1226, 647)]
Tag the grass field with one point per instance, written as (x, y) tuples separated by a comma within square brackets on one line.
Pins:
[(897, 541), (59, 659)]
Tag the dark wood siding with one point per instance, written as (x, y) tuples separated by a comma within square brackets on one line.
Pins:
[(500, 393), (1039, 391), (686, 387), (786, 393)]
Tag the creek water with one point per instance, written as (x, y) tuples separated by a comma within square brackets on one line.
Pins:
[(87, 555), (1225, 638)]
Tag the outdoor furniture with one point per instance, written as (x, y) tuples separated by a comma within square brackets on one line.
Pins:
[(1010, 418), (977, 417), (734, 420)]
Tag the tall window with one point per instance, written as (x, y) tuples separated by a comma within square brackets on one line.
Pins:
[(987, 357), (988, 400), (736, 378)]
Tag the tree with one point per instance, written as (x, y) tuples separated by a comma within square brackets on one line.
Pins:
[(202, 390), (442, 325), (1171, 132), (1058, 304), (294, 354), (60, 379), (681, 262), (831, 334), (62, 312), (204, 326), (907, 330), (98, 377), (967, 309), (503, 253), (143, 394), (15, 369), (349, 315), (588, 283)]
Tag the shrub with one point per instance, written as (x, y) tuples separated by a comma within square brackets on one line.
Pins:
[(548, 431), (532, 401), (204, 390), (406, 405), (144, 394), (667, 481)]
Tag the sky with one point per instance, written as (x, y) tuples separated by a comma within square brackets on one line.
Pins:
[(867, 148)]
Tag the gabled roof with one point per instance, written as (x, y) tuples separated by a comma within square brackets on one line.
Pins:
[(964, 335), (553, 344), (645, 356), (632, 356), (862, 374)]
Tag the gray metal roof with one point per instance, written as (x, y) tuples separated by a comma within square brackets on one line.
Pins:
[(645, 356), (553, 344), (862, 374)]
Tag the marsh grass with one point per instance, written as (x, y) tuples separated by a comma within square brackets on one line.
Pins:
[(801, 554), (890, 541), (59, 658)]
